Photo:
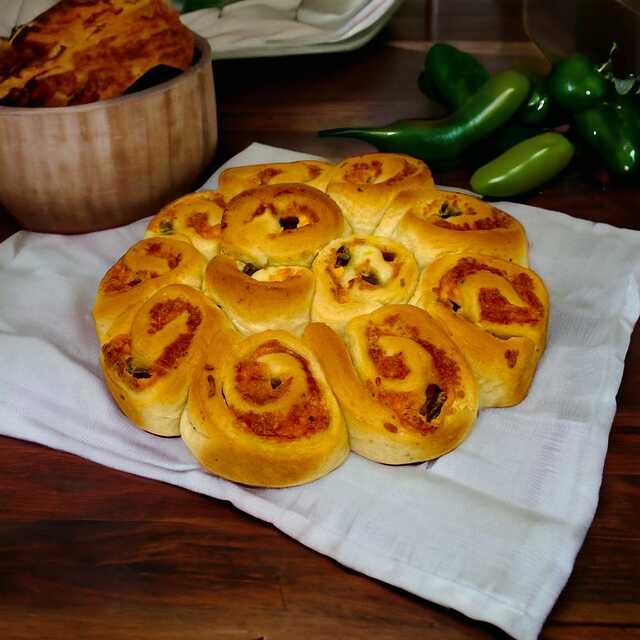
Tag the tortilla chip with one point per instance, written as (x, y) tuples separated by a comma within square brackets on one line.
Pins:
[(80, 51)]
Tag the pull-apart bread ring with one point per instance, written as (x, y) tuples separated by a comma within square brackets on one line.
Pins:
[(260, 299), (144, 269), (432, 222), (280, 224), (405, 389), (260, 412), (151, 353), (195, 217), (358, 274), (310, 172), (363, 186), (497, 313)]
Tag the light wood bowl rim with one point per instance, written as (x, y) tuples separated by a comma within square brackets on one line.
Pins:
[(205, 58)]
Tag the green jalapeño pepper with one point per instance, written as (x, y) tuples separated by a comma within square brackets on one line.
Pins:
[(439, 142), (612, 129), (537, 107), (523, 167), (576, 83), (451, 76)]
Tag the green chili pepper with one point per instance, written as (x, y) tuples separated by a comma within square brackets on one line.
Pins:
[(538, 105), (576, 83), (451, 76), (441, 142), (612, 129), (524, 167)]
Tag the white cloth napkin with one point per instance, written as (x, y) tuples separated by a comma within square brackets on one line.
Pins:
[(491, 529)]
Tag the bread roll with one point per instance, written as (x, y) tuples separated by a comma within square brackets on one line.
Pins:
[(497, 313), (260, 412), (432, 222), (269, 298), (237, 179), (363, 186), (280, 224), (195, 217), (358, 274), (405, 389), (145, 268), (150, 355)]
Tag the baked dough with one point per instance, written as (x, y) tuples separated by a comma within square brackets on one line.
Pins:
[(358, 274), (79, 52), (430, 222), (310, 172), (260, 412), (150, 354), (497, 313), (144, 269), (269, 298), (280, 224), (363, 186), (195, 217), (405, 389)]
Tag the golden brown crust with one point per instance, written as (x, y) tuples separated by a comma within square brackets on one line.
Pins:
[(405, 389), (310, 172), (195, 217), (358, 274), (150, 354), (497, 313), (430, 223), (269, 298), (79, 52), (363, 186), (260, 412), (279, 224), (145, 268)]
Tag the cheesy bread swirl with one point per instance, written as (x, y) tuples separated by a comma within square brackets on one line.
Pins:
[(405, 389), (260, 299), (363, 186), (280, 224), (145, 268), (497, 312), (237, 179), (195, 217), (260, 412), (150, 354), (358, 274), (432, 222)]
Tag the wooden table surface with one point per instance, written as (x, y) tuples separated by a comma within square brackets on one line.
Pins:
[(89, 552)]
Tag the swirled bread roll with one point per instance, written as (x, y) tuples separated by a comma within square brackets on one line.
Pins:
[(150, 355), (358, 274), (280, 224), (260, 299), (431, 222), (497, 313), (145, 268), (260, 412), (363, 186), (405, 389), (195, 217), (310, 172)]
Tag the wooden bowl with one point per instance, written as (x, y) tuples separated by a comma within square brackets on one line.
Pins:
[(104, 164)]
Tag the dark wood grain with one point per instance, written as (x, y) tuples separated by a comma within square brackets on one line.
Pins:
[(90, 552)]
